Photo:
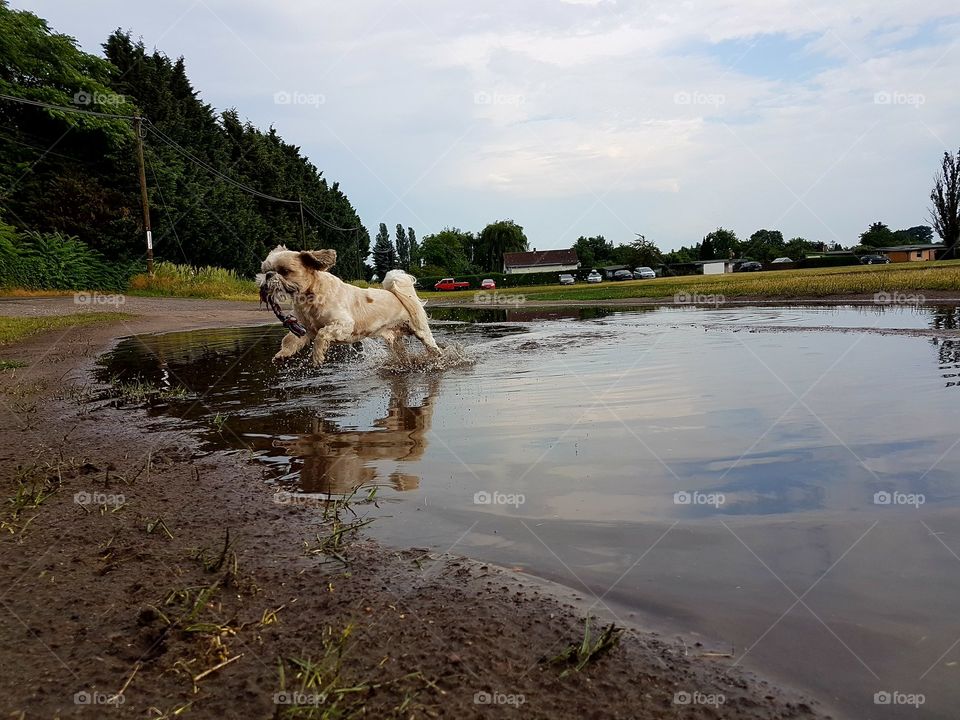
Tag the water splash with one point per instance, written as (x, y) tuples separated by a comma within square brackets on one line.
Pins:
[(451, 356)]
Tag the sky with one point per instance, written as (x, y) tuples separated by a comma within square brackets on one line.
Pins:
[(667, 118)]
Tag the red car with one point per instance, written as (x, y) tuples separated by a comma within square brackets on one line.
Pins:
[(451, 284), (488, 284)]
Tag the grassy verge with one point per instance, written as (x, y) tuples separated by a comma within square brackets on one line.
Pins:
[(170, 280), (811, 283), (13, 329)]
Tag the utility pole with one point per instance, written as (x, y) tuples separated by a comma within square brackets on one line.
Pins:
[(143, 193), (303, 224)]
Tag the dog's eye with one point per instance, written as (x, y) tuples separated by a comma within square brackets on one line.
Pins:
[(283, 271)]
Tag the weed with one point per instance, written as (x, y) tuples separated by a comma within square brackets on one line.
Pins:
[(138, 392), (588, 650)]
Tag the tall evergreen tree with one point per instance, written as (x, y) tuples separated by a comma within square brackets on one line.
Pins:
[(414, 248), (88, 185), (403, 248), (384, 254)]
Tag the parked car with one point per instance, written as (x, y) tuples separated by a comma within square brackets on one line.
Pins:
[(781, 261), (874, 260), (567, 279), (594, 277), (748, 266), (644, 273), (451, 284), (622, 275), (488, 284)]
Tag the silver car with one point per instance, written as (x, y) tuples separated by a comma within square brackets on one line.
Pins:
[(644, 273), (594, 277)]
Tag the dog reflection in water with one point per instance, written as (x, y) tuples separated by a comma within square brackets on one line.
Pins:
[(338, 462)]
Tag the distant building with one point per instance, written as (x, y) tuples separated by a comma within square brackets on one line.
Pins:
[(517, 263), (910, 253), (609, 270)]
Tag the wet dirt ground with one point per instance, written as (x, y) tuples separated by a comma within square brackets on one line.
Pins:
[(579, 427), (125, 579)]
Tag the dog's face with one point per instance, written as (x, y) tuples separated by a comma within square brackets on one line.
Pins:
[(291, 271)]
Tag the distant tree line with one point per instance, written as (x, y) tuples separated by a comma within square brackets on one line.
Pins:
[(76, 174), (451, 251)]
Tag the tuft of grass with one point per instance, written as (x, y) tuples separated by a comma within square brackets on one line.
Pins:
[(172, 280), (11, 364), (588, 650), (138, 391), (34, 486), (804, 283), (14, 329)]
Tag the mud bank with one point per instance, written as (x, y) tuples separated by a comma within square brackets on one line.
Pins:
[(141, 578)]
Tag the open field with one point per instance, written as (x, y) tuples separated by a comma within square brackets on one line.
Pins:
[(812, 283), (218, 284)]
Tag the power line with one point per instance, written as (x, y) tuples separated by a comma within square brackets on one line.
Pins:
[(186, 153), (209, 168), (64, 108)]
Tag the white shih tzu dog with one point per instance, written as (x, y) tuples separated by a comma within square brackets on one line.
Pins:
[(332, 311)]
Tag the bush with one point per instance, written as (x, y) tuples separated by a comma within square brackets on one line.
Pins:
[(51, 261)]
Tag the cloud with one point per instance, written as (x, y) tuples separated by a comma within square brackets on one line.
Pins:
[(668, 118)]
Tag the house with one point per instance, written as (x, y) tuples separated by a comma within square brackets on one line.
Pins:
[(910, 253), (517, 263)]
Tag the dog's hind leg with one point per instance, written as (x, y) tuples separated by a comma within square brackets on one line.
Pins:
[(291, 345)]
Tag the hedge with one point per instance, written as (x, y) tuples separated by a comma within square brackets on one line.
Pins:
[(502, 280), (828, 261)]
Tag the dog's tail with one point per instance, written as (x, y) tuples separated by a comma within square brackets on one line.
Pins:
[(401, 284)]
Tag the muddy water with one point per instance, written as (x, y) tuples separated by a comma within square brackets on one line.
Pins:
[(792, 497)]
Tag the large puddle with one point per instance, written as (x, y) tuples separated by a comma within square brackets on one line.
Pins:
[(790, 496)]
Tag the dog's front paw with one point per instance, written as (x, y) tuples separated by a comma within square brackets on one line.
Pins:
[(279, 358)]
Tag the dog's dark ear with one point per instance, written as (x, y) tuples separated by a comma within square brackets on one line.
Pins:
[(319, 259)]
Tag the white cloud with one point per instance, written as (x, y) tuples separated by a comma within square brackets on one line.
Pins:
[(620, 101)]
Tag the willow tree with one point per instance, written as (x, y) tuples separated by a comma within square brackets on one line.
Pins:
[(945, 196)]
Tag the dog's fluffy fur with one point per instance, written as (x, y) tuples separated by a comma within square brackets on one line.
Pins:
[(333, 311)]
